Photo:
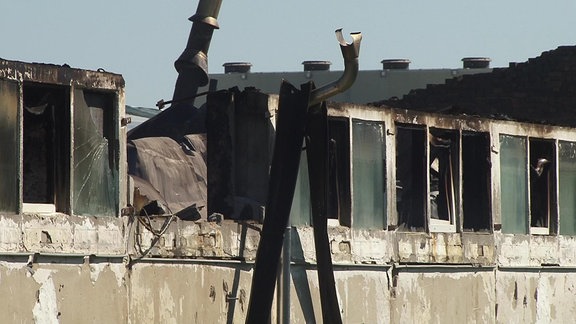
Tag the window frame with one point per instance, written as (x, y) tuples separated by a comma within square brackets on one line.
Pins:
[(385, 201), (571, 167), (552, 138), (552, 190), (453, 196), (62, 155)]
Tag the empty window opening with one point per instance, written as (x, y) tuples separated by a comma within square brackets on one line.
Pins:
[(44, 137), (542, 184), (476, 181), (339, 201), (443, 166), (411, 177)]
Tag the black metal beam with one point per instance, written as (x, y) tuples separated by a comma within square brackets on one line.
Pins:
[(290, 128), (318, 169)]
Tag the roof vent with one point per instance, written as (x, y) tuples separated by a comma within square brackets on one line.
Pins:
[(237, 67), (395, 64), (316, 65), (476, 62)]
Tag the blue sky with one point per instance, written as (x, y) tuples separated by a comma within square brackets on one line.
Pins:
[(141, 39)]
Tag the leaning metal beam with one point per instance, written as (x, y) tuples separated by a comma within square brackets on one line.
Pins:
[(318, 152), (290, 128)]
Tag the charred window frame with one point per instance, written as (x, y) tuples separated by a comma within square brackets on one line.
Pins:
[(45, 148), (369, 174), (513, 184), (60, 149), (476, 182), (411, 161), (95, 153), (339, 193), (542, 177), (528, 179), (457, 170), (9, 148), (444, 180), (338, 186)]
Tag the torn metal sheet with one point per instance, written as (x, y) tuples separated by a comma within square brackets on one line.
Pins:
[(170, 172)]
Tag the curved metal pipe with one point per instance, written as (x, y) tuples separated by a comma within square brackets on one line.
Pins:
[(350, 52)]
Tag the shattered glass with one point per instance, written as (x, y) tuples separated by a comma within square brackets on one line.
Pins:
[(95, 159), (513, 184), (9, 159), (567, 185), (368, 167)]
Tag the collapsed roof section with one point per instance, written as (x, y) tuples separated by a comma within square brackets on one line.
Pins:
[(541, 90)]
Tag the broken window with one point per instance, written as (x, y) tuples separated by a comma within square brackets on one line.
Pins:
[(542, 185), (567, 187), (368, 167), (476, 181), (513, 184), (443, 175), (95, 155), (45, 149), (427, 164), (411, 177), (9, 157)]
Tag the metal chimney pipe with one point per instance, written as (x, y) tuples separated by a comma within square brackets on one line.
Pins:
[(316, 65), (395, 64), (476, 62), (350, 54), (192, 65)]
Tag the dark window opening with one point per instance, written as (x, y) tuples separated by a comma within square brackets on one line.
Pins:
[(476, 181), (339, 200), (45, 148), (443, 170), (411, 177), (542, 182)]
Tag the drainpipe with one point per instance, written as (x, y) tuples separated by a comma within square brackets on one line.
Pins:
[(192, 65), (350, 54)]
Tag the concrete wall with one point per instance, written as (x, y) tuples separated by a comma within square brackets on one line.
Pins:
[(201, 273)]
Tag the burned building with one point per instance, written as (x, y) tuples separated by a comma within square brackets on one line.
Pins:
[(439, 208)]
